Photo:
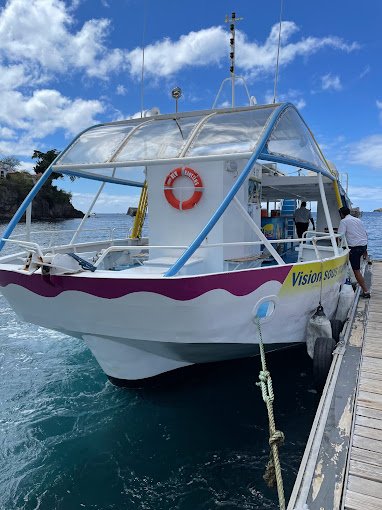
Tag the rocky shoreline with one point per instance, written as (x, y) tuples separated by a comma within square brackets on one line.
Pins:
[(50, 204)]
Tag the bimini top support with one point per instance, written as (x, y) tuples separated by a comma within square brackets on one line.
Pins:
[(23, 207), (175, 268), (31, 195)]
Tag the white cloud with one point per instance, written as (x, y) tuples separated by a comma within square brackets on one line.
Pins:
[(367, 152), (40, 41), (167, 57), (7, 133), (331, 82), (255, 58), (41, 114), (37, 33), (27, 166), (209, 46), (121, 90)]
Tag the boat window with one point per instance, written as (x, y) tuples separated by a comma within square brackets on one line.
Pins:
[(161, 139), (230, 132), (291, 138), (97, 145)]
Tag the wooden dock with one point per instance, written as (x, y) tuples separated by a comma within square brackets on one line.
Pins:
[(363, 486), (342, 465)]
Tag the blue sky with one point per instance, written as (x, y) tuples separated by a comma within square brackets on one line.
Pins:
[(66, 65)]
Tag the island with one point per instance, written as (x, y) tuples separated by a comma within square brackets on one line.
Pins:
[(50, 204), (378, 210)]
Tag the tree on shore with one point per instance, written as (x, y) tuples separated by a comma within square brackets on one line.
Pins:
[(10, 161), (44, 160)]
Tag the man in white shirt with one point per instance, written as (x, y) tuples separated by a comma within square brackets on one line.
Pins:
[(356, 238), (302, 215)]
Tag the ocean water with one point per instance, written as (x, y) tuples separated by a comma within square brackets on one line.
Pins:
[(70, 440)]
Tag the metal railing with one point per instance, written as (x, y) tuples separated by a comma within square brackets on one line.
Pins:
[(144, 249), (54, 234)]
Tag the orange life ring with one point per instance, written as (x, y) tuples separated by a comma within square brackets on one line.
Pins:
[(169, 193)]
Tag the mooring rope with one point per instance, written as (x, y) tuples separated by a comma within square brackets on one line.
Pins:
[(276, 437)]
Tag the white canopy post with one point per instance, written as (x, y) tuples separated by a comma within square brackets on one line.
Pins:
[(327, 214), (28, 222), (86, 216)]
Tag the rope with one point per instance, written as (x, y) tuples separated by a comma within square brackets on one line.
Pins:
[(272, 473), (83, 263)]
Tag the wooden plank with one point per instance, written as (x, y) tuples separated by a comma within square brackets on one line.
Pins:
[(373, 330), (354, 501), (369, 432), (366, 487), (371, 385), (372, 320), (373, 340), (374, 374), (373, 353), (373, 334), (369, 353), (367, 444), (371, 347), (374, 305), (374, 317), (372, 423), (367, 399), (363, 470), (366, 456), (373, 344), (370, 413), (368, 363)]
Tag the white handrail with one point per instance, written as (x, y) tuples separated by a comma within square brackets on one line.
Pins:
[(146, 248), (26, 244)]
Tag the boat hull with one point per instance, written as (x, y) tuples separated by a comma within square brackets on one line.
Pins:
[(141, 327)]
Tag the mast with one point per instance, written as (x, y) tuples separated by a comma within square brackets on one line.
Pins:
[(232, 22)]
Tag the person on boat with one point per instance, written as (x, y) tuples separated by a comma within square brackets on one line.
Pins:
[(301, 217), (356, 237)]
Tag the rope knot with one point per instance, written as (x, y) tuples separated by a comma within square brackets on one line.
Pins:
[(277, 438), (264, 376)]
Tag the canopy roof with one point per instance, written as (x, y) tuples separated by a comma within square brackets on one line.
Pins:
[(213, 134)]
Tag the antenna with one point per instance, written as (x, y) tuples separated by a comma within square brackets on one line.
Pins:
[(278, 55), (143, 55), (232, 22)]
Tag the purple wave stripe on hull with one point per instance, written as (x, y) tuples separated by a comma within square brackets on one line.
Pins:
[(238, 283)]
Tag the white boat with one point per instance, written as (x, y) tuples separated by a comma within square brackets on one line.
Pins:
[(193, 290), (215, 265)]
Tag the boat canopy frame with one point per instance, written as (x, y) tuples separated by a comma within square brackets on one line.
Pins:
[(262, 150)]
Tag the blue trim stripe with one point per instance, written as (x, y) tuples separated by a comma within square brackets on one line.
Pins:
[(175, 268), (103, 178)]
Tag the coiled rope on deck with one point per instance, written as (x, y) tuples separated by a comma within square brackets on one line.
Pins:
[(276, 437)]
